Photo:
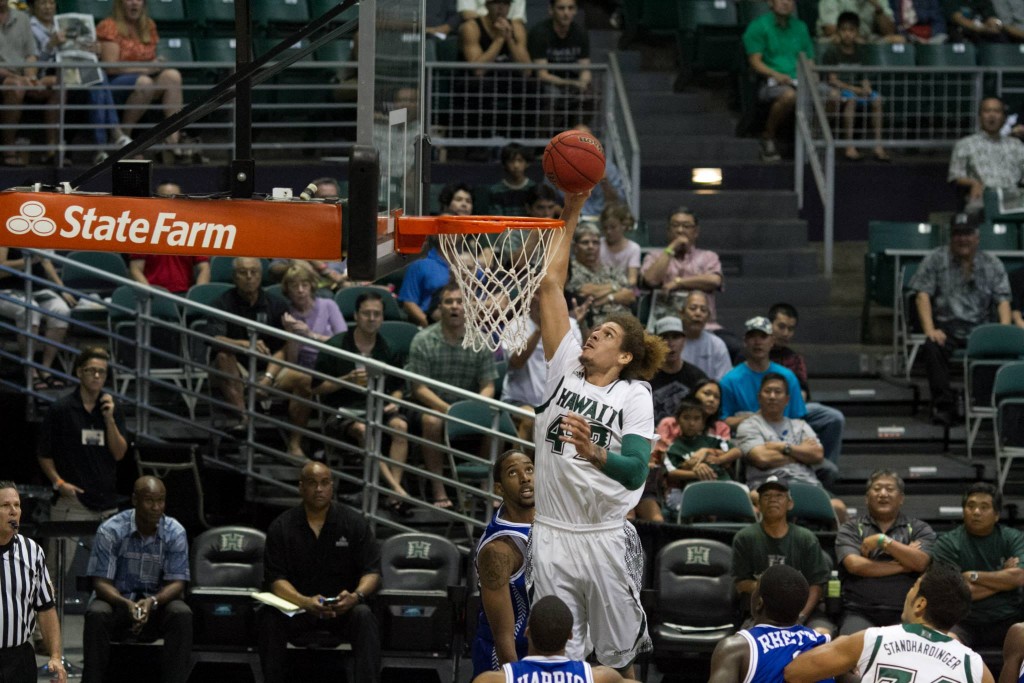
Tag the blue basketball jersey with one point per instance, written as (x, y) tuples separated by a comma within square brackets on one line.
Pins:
[(484, 656), (1020, 674), (548, 670), (773, 647)]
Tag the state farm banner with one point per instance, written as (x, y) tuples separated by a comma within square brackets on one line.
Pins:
[(144, 225)]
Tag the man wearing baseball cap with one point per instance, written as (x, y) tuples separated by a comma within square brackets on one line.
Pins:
[(676, 378), (774, 540), (741, 387), (956, 286)]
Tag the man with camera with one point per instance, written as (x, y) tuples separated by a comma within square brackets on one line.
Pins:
[(323, 558)]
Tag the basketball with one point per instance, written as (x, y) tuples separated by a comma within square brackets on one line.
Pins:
[(574, 161)]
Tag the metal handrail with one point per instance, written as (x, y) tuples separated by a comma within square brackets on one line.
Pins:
[(375, 394), (621, 113)]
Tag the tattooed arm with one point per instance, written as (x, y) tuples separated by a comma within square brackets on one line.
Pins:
[(498, 561)]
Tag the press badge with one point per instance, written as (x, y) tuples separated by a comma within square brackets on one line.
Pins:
[(94, 437)]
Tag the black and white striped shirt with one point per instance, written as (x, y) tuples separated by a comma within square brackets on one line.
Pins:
[(25, 588)]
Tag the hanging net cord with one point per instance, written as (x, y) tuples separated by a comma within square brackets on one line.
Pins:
[(499, 274)]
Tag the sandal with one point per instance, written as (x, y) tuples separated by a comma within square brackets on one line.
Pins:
[(398, 508), (40, 384), (444, 503), (55, 382), (13, 159)]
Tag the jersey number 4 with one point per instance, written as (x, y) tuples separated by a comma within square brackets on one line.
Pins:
[(598, 434)]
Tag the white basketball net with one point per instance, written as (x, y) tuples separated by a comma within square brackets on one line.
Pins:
[(498, 274)]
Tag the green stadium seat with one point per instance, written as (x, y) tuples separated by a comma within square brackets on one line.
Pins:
[(659, 17), (213, 16), (170, 17), (335, 51), (175, 50), (748, 10), (1004, 56), (999, 236), (215, 49), (280, 16), (319, 7), (448, 49), (950, 54), (885, 54), (100, 9), (708, 35), (879, 269)]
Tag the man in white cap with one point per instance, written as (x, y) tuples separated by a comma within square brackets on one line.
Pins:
[(675, 378), (741, 387)]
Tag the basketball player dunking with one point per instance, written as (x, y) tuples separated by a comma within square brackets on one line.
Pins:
[(593, 436)]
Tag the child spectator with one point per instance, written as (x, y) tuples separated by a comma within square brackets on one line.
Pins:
[(616, 250), (509, 196), (709, 393), (851, 91), (694, 455)]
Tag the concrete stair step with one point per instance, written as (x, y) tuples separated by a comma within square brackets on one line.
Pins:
[(666, 103), (839, 360), (709, 204), (921, 472), (895, 429), (701, 150), (737, 174), (811, 290), (719, 234), (683, 124), (768, 262)]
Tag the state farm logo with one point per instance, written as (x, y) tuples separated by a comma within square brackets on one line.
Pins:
[(166, 229), (31, 218)]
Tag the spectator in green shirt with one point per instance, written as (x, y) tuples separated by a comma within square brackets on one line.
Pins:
[(774, 43), (990, 556)]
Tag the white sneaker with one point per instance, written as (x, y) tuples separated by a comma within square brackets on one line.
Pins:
[(122, 141), (99, 157)]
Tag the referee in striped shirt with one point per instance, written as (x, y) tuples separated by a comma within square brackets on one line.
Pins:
[(25, 593)]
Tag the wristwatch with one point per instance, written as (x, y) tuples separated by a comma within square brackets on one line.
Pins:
[(361, 597), (973, 577), (787, 450)]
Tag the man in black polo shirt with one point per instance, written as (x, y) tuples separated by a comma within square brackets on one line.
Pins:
[(675, 378), (324, 558), (880, 555), (247, 300), (80, 444)]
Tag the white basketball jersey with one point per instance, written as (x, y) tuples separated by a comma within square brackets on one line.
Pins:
[(570, 489), (914, 653)]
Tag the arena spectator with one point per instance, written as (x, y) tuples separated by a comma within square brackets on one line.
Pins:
[(560, 40), (611, 189), (365, 340), (473, 9), (617, 250), (248, 300), (709, 393), (851, 92), (774, 42), (1011, 13), (441, 18), (312, 317), (174, 273), (102, 113), (974, 20), (986, 158), (920, 21), (676, 378), (741, 388), (139, 568), (875, 20), (828, 422), (489, 98), (52, 303), (607, 288), (340, 560), (703, 349), (777, 446), (168, 188), (21, 84), (682, 267), (774, 540), (989, 555), (694, 455), (422, 279), (880, 554), (129, 35), (509, 196), (957, 288), (437, 353)]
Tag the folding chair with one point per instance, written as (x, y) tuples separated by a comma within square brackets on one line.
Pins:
[(989, 347), (727, 501), (812, 506), (1008, 405)]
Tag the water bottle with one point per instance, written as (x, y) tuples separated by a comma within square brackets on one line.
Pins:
[(833, 595)]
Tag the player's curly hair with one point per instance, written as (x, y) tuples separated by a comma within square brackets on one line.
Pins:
[(649, 350)]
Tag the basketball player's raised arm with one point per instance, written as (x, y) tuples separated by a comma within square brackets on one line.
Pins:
[(554, 312), (827, 660)]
